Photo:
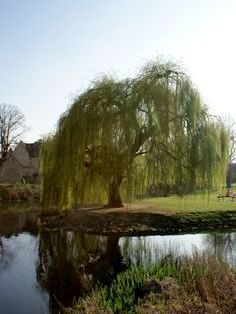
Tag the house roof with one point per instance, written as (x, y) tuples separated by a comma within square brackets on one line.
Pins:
[(33, 149)]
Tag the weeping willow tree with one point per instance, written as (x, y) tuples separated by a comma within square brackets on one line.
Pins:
[(120, 136)]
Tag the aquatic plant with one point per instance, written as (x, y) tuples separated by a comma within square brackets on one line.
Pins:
[(120, 136)]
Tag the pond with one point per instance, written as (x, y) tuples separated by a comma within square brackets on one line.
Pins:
[(40, 269)]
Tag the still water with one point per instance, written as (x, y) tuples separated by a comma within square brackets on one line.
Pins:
[(40, 269)]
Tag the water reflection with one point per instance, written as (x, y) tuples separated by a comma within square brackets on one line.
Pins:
[(149, 249), (40, 269), (6, 256), (19, 290), (71, 263), (222, 244), (16, 223)]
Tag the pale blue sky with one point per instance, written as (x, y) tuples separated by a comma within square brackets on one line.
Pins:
[(51, 49)]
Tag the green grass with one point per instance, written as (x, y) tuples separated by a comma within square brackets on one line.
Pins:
[(189, 203)]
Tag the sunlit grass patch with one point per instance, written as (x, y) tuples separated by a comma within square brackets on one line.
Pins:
[(189, 203)]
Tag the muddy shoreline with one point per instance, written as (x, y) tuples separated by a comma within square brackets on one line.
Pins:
[(136, 223)]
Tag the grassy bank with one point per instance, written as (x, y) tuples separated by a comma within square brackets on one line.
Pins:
[(19, 193), (201, 284), (142, 220), (189, 203), (161, 215)]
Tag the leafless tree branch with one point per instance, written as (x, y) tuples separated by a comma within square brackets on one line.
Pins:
[(12, 127)]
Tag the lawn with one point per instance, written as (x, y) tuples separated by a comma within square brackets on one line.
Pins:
[(189, 203)]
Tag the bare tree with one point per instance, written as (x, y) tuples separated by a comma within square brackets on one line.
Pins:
[(12, 127), (231, 127), (232, 152)]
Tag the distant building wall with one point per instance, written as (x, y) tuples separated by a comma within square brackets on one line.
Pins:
[(11, 170), (21, 154), (21, 164), (34, 165)]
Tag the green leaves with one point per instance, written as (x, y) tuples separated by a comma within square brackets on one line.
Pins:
[(152, 129)]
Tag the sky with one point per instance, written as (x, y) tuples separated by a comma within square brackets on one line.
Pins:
[(52, 49)]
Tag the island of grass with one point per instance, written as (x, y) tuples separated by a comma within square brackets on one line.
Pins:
[(159, 215)]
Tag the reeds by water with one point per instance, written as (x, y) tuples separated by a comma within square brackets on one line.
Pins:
[(200, 284)]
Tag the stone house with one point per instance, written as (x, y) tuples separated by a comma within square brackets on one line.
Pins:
[(21, 164)]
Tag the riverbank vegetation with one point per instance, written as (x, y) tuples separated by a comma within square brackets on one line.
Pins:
[(19, 193), (200, 284), (121, 136)]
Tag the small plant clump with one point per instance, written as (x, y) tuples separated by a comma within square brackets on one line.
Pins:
[(201, 284)]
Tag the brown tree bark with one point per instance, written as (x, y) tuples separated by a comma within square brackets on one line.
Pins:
[(114, 198)]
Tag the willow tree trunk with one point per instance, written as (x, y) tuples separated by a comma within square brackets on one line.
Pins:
[(114, 198)]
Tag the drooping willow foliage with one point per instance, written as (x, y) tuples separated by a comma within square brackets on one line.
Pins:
[(129, 134)]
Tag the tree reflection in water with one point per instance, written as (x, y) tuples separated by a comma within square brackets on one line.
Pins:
[(146, 250), (7, 255), (138, 251), (71, 263), (223, 245), (1, 248)]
